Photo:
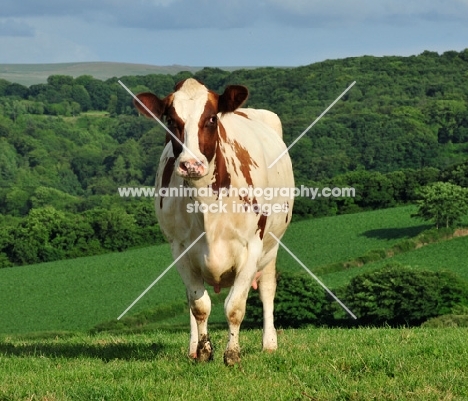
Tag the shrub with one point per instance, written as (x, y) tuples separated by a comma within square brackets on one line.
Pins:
[(447, 321), (458, 318), (299, 301), (398, 295)]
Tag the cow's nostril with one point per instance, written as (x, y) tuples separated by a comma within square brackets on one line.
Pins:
[(183, 166)]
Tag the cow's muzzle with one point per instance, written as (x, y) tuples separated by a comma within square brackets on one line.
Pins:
[(192, 168)]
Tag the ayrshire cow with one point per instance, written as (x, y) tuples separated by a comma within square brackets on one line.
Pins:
[(224, 147)]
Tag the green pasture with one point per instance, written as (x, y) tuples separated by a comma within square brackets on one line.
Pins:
[(310, 364), (80, 293)]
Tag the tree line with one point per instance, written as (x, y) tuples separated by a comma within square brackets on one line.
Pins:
[(68, 144)]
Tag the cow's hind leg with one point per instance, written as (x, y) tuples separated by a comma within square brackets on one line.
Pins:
[(267, 289)]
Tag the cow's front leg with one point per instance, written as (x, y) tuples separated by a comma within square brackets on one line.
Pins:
[(200, 308), (200, 347)]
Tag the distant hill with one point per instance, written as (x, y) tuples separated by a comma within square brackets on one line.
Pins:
[(30, 74)]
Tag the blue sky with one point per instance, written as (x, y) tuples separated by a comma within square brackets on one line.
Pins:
[(226, 33)]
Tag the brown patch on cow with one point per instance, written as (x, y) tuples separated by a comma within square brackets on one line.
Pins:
[(245, 161), (221, 175), (166, 176), (234, 166), (261, 225), (208, 127), (222, 132), (240, 113), (176, 126)]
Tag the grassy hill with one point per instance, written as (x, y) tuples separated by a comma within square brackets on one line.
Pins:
[(446, 255), (63, 299), (80, 293), (29, 74)]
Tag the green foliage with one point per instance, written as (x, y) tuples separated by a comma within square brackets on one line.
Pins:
[(443, 203), (456, 174), (299, 301), (403, 126), (398, 295), (450, 320)]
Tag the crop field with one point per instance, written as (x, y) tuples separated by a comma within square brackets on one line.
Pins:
[(78, 294), (310, 364)]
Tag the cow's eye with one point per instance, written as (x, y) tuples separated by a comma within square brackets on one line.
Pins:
[(213, 120), (169, 121)]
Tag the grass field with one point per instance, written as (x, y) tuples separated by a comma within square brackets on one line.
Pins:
[(310, 364), (446, 255), (48, 354), (327, 240), (78, 294)]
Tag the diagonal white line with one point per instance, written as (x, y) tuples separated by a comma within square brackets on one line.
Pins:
[(311, 125), (314, 276), (160, 122), (160, 276)]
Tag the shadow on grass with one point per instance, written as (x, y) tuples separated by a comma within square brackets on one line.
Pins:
[(395, 233), (105, 351)]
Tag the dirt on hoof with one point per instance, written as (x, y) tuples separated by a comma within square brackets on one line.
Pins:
[(231, 357), (205, 350), (269, 350)]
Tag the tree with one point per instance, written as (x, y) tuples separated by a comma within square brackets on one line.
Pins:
[(442, 202)]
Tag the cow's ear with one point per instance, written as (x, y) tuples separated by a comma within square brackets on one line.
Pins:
[(152, 103), (232, 98)]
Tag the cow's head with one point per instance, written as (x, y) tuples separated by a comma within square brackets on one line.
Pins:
[(191, 113)]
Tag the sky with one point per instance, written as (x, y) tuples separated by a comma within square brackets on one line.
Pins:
[(226, 32)]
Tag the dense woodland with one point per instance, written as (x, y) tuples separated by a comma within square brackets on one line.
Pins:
[(67, 145)]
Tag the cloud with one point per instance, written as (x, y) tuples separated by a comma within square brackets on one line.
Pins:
[(313, 11), (197, 14), (46, 46), (13, 27)]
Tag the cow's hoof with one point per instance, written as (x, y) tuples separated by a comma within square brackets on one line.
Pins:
[(231, 357), (205, 350)]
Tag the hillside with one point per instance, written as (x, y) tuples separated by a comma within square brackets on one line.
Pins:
[(66, 146), (31, 74), (79, 293)]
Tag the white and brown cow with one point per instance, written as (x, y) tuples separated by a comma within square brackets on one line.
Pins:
[(224, 147)]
